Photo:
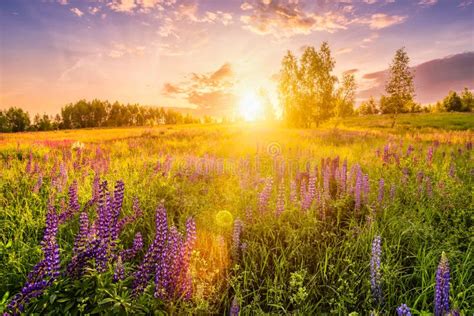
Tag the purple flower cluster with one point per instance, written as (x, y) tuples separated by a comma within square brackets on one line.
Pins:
[(375, 273), (73, 204), (265, 195), (238, 227), (280, 204), (45, 272), (167, 260), (403, 310), (234, 307), (130, 253), (441, 302)]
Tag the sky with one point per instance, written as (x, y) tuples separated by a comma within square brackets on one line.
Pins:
[(209, 54)]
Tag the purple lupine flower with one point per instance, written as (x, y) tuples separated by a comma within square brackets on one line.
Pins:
[(234, 307), (116, 208), (386, 154), (96, 188), (265, 195), (365, 188), (129, 254), (403, 310), (303, 192), (82, 236), (375, 274), (293, 192), (88, 245), (343, 177), (119, 272), (441, 302), (410, 150), (429, 186), (392, 191), (280, 204), (45, 272), (238, 226), (358, 189), (452, 170), (73, 204), (381, 191), (161, 268), (137, 212), (189, 246), (175, 243), (326, 182), (38, 184), (28, 163), (429, 155), (153, 254)]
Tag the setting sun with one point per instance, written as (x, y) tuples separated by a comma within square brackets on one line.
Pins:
[(250, 106)]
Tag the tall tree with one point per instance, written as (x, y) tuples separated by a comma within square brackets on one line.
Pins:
[(345, 96), (400, 87), (288, 89), (326, 81), (18, 120)]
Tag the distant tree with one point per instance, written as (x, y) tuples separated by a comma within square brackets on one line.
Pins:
[(306, 89), (42, 123), (467, 100), (207, 119), (326, 82), (453, 102), (18, 120), (399, 87), (4, 123), (368, 107), (345, 96), (288, 90)]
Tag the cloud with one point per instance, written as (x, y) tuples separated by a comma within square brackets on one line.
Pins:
[(122, 5), (212, 92), (381, 20), (465, 3), (433, 79), (63, 2), (93, 10), (285, 18), (351, 71), (77, 12), (343, 51), (427, 3)]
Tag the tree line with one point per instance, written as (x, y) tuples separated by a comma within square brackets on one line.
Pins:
[(309, 93), (88, 114), (453, 102)]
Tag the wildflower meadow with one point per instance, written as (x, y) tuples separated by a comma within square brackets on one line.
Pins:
[(239, 219)]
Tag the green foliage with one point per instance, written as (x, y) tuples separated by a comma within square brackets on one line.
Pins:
[(368, 107), (399, 87), (452, 103), (306, 88)]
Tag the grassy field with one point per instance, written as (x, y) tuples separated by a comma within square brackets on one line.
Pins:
[(240, 219)]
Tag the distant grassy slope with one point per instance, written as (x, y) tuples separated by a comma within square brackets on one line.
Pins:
[(407, 122)]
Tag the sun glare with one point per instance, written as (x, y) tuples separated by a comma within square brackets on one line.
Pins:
[(250, 107)]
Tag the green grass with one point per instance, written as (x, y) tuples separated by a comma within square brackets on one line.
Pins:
[(313, 262), (414, 122)]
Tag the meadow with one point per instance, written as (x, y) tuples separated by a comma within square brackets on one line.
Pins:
[(353, 218)]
